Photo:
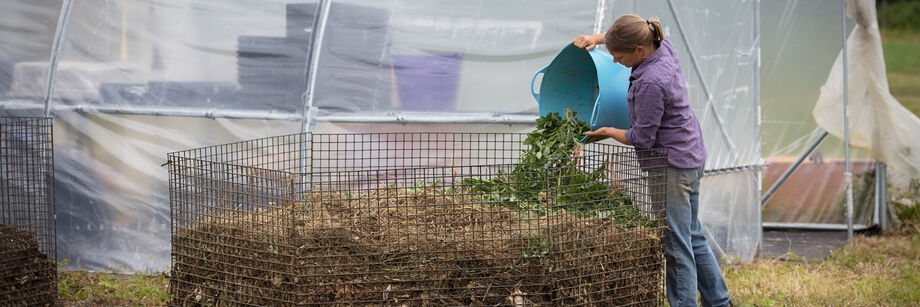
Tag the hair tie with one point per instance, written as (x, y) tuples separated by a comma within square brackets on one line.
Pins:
[(650, 26)]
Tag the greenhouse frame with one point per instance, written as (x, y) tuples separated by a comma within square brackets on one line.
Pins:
[(129, 81)]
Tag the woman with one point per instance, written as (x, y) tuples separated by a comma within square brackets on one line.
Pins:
[(661, 118)]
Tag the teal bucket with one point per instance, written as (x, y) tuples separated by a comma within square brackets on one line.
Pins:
[(589, 83)]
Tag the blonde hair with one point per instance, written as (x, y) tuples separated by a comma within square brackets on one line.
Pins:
[(630, 31)]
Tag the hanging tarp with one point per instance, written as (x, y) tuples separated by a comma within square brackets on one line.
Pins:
[(878, 122)]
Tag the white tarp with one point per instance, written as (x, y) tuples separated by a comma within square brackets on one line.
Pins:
[(878, 122)]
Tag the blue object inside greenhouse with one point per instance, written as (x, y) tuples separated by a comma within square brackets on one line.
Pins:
[(427, 82), (272, 71), (589, 83)]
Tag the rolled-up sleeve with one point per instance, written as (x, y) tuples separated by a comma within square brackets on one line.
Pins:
[(648, 109)]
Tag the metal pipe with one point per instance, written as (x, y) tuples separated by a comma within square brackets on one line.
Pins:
[(876, 195), (816, 226), (599, 13), (432, 118), (390, 117), (124, 32), (883, 195), (308, 68), (55, 49), (733, 169), (757, 115), (848, 175), (161, 111), (792, 168), (699, 73), (316, 50)]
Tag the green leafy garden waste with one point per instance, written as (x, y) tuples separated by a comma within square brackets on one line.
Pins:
[(550, 164)]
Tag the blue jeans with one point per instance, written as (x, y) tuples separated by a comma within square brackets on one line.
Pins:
[(691, 266)]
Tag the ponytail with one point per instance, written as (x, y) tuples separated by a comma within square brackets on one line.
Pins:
[(655, 27)]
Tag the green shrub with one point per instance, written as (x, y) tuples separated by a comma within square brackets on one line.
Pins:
[(900, 15)]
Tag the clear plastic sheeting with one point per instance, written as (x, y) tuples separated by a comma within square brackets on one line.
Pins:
[(717, 44), (801, 40), (27, 29), (720, 69), (179, 54), (719, 211), (113, 205), (134, 80), (441, 56)]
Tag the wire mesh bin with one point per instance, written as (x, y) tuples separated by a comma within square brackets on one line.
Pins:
[(414, 219), (27, 239)]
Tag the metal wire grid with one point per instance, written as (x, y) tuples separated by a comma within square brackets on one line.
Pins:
[(342, 152), (27, 211), (376, 221), (610, 251)]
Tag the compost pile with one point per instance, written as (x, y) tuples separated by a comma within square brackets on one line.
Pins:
[(27, 276), (476, 242)]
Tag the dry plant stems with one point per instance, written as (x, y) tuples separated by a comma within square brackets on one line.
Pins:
[(416, 247), (549, 231), (27, 276)]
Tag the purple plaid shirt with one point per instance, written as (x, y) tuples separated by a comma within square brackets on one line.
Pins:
[(660, 112)]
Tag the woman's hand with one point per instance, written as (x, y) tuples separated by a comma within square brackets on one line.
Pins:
[(597, 135), (588, 42), (607, 132)]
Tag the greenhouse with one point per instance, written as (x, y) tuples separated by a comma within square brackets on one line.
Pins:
[(380, 124)]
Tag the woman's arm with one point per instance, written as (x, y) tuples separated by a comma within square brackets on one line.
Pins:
[(648, 111), (608, 132)]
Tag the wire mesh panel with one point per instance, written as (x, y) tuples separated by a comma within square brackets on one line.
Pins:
[(413, 219), (27, 247), (607, 227), (339, 152), (231, 208)]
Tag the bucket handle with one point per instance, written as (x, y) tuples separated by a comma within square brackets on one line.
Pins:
[(535, 94)]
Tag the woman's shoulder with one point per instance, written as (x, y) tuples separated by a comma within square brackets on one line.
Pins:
[(669, 53), (659, 76), (668, 65)]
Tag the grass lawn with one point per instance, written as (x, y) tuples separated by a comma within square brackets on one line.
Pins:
[(81, 288), (882, 270), (902, 60), (870, 271)]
